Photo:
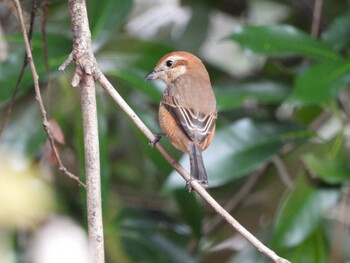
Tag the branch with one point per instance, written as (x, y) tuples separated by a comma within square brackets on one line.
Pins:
[(84, 65), (316, 18), (38, 95), (101, 78), (282, 171), (45, 11)]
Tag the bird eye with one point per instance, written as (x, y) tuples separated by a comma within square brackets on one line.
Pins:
[(169, 63)]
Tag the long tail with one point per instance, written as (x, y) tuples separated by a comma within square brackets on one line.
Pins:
[(197, 166)]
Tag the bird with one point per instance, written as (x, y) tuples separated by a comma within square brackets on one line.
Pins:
[(187, 110)]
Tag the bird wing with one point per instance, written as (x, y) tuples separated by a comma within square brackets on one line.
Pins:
[(196, 125)]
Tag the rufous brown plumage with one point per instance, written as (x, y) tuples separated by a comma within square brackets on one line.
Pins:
[(187, 111)]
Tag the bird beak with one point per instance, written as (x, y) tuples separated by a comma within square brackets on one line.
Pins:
[(151, 75)]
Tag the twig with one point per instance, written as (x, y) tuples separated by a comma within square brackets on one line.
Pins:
[(38, 95), (85, 63), (99, 77), (282, 171), (316, 18), (11, 104), (45, 11)]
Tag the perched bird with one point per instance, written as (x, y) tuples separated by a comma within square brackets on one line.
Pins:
[(187, 110)]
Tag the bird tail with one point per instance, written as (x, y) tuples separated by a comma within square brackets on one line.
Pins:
[(197, 166)]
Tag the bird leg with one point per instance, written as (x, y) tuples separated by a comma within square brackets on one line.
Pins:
[(157, 138)]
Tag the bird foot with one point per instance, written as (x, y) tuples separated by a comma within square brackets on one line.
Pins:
[(188, 186), (157, 138)]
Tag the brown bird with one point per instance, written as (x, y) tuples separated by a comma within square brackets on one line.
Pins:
[(187, 110)]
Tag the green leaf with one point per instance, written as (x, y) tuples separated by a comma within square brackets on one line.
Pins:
[(197, 26), (239, 149), (236, 94), (314, 249), (320, 83), (332, 171), (105, 17), (58, 48), (25, 135), (191, 211), (329, 161), (306, 115), (338, 33), (301, 213), (152, 237), (9, 72), (123, 52), (281, 41), (135, 80)]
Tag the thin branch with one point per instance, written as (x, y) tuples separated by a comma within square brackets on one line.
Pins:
[(316, 18), (45, 11), (282, 171), (99, 77), (38, 95)]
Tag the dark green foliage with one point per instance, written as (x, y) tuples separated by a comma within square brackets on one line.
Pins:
[(149, 215)]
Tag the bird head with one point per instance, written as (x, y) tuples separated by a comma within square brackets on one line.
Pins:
[(176, 64)]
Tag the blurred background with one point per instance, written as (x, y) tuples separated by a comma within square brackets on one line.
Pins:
[(279, 162)]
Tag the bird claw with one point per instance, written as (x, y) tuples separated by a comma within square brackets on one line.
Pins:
[(188, 186), (157, 138)]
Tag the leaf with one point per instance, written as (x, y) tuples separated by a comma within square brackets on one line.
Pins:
[(197, 26), (281, 41), (25, 135), (145, 238), (236, 94), (58, 48), (314, 249), (320, 83), (301, 213), (191, 211), (329, 161), (332, 171), (9, 72), (135, 80), (106, 17), (239, 149), (123, 52), (338, 33)]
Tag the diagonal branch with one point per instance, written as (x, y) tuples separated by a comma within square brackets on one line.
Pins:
[(108, 87)]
